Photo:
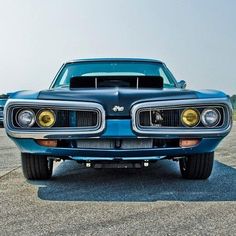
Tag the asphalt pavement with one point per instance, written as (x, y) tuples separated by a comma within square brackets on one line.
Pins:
[(152, 201)]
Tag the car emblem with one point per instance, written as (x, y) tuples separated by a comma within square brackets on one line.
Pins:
[(118, 108), (158, 116)]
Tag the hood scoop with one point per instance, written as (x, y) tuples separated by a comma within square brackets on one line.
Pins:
[(138, 82)]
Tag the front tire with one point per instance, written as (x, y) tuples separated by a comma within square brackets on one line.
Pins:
[(36, 167), (197, 166)]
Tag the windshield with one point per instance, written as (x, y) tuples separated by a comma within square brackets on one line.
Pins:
[(115, 68)]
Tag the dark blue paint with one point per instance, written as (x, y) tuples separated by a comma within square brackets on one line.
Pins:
[(117, 128)]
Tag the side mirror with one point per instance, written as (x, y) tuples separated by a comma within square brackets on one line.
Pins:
[(182, 84)]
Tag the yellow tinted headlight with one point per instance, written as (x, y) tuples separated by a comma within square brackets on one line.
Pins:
[(46, 118), (190, 117)]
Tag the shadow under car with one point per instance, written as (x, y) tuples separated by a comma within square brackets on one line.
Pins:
[(160, 182)]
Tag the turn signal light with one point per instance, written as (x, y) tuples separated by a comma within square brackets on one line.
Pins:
[(47, 142), (184, 143)]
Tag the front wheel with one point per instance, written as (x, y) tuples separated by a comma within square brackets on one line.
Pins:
[(36, 167), (197, 166)]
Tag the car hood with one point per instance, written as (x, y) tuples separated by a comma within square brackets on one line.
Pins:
[(125, 97)]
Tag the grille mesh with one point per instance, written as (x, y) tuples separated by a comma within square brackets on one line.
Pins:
[(87, 118), (126, 144), (80, 119), (170, 118), (115, 143)]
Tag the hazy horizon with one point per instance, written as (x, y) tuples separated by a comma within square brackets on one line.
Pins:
[(196, 39)]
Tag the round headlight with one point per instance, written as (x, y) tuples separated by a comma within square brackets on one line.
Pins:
[(210, 117), (190, 117), (46, 118), (26, 118)]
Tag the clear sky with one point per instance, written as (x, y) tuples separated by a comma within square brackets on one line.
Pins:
[(196, 38)]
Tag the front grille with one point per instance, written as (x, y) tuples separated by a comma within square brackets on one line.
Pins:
[(145, 143), (170, 117), (63, 118), (68, 118), (87, 118), (80, 119), (167, 118), (73, 118)]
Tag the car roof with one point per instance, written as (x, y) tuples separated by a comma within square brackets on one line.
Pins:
[(115, 59)]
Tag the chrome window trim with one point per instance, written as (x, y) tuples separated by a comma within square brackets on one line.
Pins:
[(44, 133), (223, 102)]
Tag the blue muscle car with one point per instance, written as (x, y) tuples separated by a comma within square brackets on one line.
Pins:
[(125, 113), (3, 100)]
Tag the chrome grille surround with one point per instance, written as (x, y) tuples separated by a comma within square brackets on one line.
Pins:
[(57, 132), (182, 130)]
